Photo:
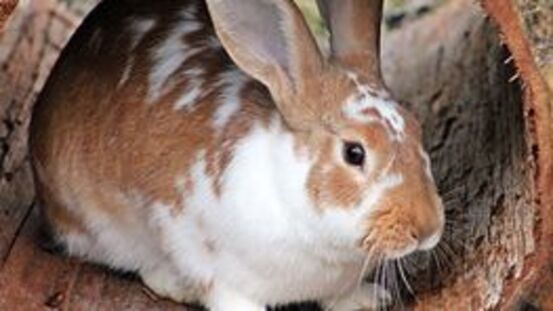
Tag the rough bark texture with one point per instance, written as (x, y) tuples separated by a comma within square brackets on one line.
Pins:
[(527, 29), (481, 85)]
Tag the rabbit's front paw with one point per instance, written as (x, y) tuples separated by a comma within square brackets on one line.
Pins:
[(368, 296), (224, 299), (165, 283)]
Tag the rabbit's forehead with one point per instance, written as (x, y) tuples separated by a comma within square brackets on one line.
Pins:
[(368, 105)]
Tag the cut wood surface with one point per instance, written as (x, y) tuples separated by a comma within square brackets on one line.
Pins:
[(479, 79)]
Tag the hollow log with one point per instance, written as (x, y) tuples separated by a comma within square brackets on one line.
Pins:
[(479, 76)]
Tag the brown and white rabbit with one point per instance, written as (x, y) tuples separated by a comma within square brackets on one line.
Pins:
[(210, 147)]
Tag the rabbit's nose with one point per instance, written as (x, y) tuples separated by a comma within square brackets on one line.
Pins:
[(429, 241)]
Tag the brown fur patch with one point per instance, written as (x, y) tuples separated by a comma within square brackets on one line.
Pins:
[(331, 184), (344, 190)]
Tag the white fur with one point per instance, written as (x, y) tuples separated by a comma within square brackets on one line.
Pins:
[(126, 72), (190, 96), (427, 165), (223, 299), (367, 297), (183, 244), (431, 242), (386, 108), (139, 28), (377, 189), (170, 55), (355, 106), (124, 245), (232, 82), (365, 88), (193, 90), (435, 238), (260, 232)]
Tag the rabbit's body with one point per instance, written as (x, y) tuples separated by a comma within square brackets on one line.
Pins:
[(182, 213), (153, 152)]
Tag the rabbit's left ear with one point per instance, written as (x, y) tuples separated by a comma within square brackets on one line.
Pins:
[(270, 40), (354, 27)]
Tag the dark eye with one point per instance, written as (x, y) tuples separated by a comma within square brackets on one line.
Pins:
[(354, 154)]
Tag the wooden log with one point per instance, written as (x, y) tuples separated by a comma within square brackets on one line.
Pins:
[(479, 79)]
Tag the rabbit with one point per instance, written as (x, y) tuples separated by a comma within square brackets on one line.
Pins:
[(213, 149)]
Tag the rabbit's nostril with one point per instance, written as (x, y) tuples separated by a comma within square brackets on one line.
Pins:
[(415, 235)]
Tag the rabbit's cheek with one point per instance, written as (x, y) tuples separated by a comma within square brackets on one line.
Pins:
[(343, 190), (332, 186), (406, 218)]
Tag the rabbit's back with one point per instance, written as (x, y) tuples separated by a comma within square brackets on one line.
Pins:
[(139, 92)]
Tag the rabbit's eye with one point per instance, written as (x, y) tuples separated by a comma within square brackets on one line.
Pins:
[(354, 154)]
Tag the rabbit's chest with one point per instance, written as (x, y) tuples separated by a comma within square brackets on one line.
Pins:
[(289, 275)]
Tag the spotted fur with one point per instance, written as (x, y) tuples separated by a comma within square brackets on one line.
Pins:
[(185, 146)]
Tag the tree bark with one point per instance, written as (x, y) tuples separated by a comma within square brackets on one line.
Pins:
[(478, 78), (527, 29)]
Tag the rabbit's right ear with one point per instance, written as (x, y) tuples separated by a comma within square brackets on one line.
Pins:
[(354, 27), (270, 40)]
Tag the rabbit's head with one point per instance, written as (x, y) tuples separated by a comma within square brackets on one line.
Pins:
[(369, 184)]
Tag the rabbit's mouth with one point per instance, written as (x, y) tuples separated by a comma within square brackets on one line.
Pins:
[(394, 235), (389, 245)]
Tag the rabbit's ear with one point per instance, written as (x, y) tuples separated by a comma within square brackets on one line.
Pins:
[(354, 27), (270, 40)]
